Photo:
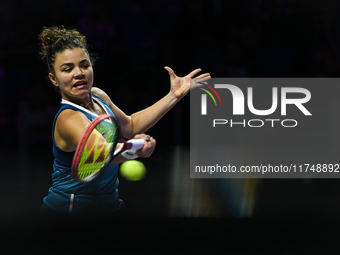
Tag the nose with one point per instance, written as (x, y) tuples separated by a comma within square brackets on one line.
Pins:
[(79, 73)]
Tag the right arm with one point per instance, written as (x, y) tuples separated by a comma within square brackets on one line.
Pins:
[(69, 128), (71, 125)]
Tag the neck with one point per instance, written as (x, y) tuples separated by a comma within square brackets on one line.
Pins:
[(83, 102), (85, 106)]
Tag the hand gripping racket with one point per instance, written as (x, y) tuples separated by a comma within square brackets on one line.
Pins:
[(97, 148)]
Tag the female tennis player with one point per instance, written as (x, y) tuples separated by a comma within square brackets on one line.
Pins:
[(70, 71)]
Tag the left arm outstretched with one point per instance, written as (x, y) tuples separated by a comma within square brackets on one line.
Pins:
[(143, 120)]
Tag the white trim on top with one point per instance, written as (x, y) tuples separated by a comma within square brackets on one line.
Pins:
[(64, 101)]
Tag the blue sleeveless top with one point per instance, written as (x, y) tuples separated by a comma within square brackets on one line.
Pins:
[(62, 180)]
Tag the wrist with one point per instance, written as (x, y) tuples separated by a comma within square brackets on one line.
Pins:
[(173, 99)]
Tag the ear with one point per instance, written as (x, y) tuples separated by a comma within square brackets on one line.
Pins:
[(53, 79)]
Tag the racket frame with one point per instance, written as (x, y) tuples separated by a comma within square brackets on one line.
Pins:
[(82, 142)]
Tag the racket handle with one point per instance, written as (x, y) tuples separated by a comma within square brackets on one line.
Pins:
[(136, 144)]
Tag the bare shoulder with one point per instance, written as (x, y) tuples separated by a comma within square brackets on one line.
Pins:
[(69, 121), (69, 127), (68, 116), (100, 93)]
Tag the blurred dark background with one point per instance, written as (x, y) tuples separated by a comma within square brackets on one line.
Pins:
[(134, 40)]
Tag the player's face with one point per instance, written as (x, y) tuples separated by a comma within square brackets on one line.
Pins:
[(73, 74)]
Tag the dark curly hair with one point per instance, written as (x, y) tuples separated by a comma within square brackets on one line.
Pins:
[(57, 39)]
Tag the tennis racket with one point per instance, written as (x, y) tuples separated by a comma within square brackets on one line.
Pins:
[(98, 147)]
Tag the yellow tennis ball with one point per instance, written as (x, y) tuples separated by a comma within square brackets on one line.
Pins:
[(133, 170)]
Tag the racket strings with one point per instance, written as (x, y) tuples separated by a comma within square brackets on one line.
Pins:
[(97, 150)]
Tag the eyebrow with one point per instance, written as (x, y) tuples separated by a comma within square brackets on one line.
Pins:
[(69, 64)]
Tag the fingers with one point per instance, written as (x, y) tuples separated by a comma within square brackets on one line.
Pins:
[(193, 73), (151, 147), (199, 80), (190, 75), (148, 147), (170, 71), (142, 136), (205, 75)]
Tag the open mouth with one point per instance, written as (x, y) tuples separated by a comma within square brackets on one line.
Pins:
[(80, 84)]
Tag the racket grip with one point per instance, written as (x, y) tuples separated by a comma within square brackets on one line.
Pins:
[(136, 144)]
